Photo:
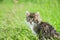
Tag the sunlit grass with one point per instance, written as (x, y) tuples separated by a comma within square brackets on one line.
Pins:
[(12, 19)]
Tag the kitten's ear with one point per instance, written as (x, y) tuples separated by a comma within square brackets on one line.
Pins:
[(27, 13), (37, 14)]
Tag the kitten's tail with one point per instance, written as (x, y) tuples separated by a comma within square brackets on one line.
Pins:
[(57, 35)]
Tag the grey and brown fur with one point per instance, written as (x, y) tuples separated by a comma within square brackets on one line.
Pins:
[(42, 29)]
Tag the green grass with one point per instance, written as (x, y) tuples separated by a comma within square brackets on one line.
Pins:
[(12, 18)]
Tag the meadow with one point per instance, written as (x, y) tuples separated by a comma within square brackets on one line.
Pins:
[(13, 16)]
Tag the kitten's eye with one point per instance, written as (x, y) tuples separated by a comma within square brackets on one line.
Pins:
[(36, 21), (28, 19)]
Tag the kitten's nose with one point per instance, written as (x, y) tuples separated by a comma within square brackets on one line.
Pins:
[(30, 22)]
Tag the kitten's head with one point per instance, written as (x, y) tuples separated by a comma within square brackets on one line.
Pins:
[(33, 17)]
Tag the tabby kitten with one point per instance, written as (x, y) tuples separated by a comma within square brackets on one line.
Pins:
[(40, 28)]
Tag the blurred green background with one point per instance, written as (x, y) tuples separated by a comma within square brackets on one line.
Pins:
[(13, 16)]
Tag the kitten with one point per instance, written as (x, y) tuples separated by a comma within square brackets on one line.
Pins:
[(40, 28)]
